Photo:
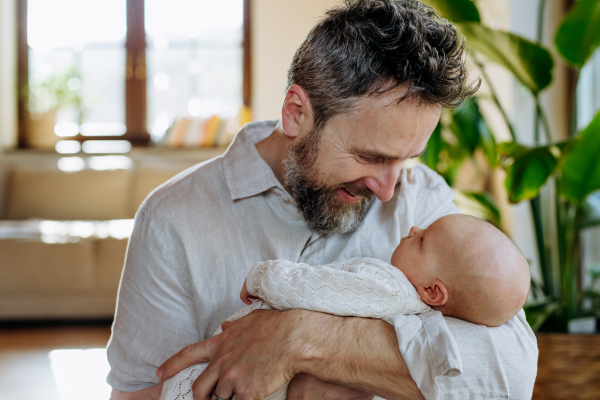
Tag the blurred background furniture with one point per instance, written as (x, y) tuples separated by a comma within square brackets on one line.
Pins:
[(64, 224)]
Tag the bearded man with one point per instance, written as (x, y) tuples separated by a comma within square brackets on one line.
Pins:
[(326, 182)]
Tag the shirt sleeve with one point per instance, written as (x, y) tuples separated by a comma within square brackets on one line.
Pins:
[(451, 359), (367, 288), (155, 313)]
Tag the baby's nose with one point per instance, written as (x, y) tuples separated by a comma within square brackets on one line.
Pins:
[(414, 230)]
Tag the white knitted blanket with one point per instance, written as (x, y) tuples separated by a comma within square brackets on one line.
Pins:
[(359, 287)]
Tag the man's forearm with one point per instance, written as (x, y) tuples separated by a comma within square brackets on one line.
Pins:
[(355, 352)]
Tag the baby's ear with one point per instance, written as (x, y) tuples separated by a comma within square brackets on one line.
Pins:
[(436, 294)]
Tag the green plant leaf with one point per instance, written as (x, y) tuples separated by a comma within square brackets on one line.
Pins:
[(529, 62), (579, 32), (488, 144), (465, 126), (510, 149), (471, 131), (480, 205), (455, 10), (527, 168), (580, 171), (588, 212), (486, 138), (537, 313), (431, 156)]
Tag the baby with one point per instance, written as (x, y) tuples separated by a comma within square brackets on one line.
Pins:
[(460, 265)]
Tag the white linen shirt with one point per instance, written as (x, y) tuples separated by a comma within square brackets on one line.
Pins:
[(197, 236)]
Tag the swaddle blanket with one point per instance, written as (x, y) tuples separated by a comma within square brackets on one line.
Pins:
[(359, 287)]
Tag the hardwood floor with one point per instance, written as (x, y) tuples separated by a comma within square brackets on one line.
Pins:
[(62, 337), (69, 363), (53, 362), (568, 367)]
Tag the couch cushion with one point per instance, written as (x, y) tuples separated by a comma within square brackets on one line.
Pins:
[(32, 265), (111, 257), (58, 195), (63, 305)]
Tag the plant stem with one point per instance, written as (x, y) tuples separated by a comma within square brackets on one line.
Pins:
[(568, 252), (573, 119), (540, 115), (540, 25), (536, 124), (545, 267), (487, 79)]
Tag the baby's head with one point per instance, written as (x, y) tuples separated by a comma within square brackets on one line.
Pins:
[(465, 268)]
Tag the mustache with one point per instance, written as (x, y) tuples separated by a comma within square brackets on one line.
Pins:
[(356, 190)]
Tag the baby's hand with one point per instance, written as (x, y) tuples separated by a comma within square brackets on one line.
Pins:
[(245, 296)]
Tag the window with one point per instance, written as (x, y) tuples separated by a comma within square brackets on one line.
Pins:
[(124, 70)]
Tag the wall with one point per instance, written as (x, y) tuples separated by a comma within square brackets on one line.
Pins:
[(8, 70), (278, 28)]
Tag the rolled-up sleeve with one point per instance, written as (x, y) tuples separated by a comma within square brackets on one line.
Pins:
[(451, 359), (155, 312)]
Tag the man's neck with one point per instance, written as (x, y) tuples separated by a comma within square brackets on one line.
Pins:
[(273, 149)]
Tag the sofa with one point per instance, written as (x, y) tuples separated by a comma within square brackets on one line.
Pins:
[(64, 226)]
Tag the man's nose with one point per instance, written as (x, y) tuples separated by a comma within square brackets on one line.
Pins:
[(384, 182)]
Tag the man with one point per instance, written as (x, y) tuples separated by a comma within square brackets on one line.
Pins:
[(365, 91)]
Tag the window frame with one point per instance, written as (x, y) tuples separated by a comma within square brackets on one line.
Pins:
[(135, 74)]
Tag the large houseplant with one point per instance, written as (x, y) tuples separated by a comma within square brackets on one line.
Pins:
[(559, 178)]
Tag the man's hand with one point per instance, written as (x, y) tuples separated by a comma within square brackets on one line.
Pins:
[(254, 356), (257, 354), (305, 387), (151, 393)]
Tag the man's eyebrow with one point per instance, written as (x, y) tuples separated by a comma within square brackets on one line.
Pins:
[(375, 154), (378, 154)]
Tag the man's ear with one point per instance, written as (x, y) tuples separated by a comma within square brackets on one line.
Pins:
[(436, 294), (295, 110)]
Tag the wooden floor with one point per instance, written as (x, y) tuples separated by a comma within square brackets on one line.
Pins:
[(35, 360), (568, 367), (54, 363), (54, 337)]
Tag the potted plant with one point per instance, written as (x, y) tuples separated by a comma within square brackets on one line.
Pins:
[(559, 178), (44, 98)]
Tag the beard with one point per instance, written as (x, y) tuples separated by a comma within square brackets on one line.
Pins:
[(318, 201)]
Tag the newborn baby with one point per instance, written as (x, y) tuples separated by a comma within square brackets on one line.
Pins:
[(461, 266)]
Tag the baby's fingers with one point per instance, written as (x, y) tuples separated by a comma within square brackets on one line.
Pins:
[(244, 295)]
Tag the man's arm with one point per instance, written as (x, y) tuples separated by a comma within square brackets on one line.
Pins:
[(151, 393), (306, 387), (258, 353), (362, 354), (155, 313)]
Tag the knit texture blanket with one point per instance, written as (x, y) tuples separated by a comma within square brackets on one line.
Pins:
[(359, 287)]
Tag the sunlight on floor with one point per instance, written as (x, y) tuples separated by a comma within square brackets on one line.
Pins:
[(80, 371), (72, 374)]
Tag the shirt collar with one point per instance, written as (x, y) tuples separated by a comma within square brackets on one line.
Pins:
[(246, 173)]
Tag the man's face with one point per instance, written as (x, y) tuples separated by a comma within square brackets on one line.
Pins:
[(333, 175)]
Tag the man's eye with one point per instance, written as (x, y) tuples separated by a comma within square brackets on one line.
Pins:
[(368, 159)]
